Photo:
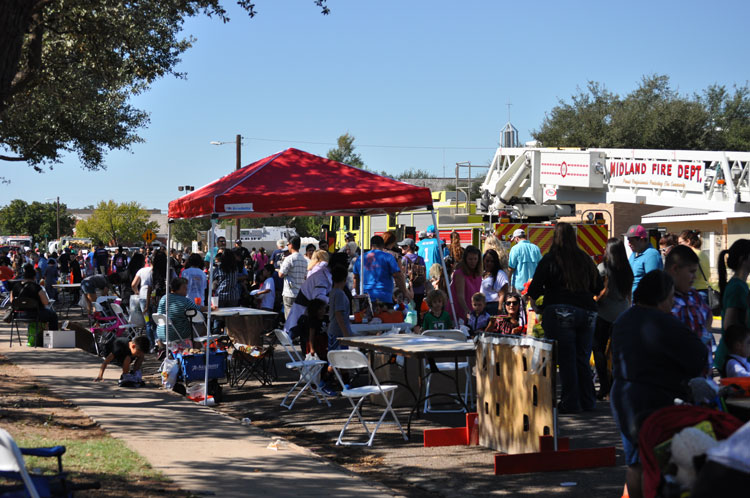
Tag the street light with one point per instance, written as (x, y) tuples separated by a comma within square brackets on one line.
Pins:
[(238, 142), (186, 188), (58, 214)]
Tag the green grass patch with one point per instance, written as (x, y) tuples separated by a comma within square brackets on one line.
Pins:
[(103, 456)]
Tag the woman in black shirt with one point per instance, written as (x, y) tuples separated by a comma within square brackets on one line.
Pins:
[(568, 279), (28, 288)]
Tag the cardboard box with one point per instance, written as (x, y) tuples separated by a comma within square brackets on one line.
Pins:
[(59, 339)]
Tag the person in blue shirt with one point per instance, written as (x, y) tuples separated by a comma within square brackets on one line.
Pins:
[(381, 270), (522, 260), (644, 257), (429, 248)]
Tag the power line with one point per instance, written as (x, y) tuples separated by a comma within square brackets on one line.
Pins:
[(370, 145)]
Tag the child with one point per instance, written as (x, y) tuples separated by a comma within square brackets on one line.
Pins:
[(737, 338), (437, 318), (130, 355), (316, 322), (266, 294), (514, 321), (338, 309), (478, 317)]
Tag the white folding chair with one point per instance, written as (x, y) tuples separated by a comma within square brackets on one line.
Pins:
[(120, 314), (347, 359), (309, 370), (444, 366)]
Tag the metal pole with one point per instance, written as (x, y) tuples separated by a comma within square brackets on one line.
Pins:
[(237, 167), (362, 257), (445, 270), (210, 293), (58, 218), (166, 296)]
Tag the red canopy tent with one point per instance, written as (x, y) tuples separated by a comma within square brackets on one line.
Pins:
[(295, 182)]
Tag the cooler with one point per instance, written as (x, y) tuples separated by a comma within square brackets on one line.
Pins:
[(193, 366)]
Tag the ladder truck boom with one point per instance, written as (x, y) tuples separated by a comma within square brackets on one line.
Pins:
[(547, 182)]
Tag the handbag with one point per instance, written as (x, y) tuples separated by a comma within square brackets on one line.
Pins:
[(714, 297)]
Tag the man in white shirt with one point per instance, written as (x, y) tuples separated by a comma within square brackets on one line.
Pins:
[(293, 270)]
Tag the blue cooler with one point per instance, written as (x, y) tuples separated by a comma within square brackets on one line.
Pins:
[(193, 366)]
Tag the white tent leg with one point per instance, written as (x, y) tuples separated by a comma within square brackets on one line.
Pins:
[(210, 293), (166, 277), (445, 270), (361, 257)]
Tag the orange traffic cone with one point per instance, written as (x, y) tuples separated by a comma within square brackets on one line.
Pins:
[(625, 492)]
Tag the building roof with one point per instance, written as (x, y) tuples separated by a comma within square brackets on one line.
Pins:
[(680, 214)]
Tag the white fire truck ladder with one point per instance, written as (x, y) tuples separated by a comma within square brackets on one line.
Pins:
[(525, 179)]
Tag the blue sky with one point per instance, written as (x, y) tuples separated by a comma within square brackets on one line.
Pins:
[(401, 74)]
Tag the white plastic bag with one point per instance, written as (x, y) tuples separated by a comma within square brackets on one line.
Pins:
[(135, 316), (307, 370), (169, 369)]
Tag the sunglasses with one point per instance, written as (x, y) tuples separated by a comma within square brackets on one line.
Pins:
[(511, 303)]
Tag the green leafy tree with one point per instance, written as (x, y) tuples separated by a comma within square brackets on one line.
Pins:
[(36, 219), (116, 224), (653, 116), (411, 174), (344, 152), (69, 67), (186, 231)]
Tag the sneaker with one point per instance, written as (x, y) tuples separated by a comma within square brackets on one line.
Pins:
[(328, 391)]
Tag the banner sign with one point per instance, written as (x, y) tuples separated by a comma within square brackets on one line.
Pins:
[(670, 175), (236, 208)]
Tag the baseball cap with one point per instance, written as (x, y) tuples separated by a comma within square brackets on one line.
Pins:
[(636, 231), (431, 229), (406, 242), (518, 232), (238, 241)]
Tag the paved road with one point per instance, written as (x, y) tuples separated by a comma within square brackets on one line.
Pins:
[(203, 451)]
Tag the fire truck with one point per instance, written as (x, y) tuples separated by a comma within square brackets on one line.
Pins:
[(533, 187)]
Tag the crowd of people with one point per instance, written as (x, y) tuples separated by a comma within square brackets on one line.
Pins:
[(646, 317)]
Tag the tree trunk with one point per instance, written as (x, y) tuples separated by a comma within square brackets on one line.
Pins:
[(15, 19)]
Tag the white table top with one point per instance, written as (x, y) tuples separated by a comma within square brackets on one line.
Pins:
[(411, 345), (240, 311), (364, 328), (66, 286)]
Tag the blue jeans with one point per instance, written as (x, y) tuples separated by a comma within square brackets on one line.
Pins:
[(573, 329)]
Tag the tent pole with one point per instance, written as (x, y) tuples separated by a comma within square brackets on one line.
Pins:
[(166, 277), (211, 237), (361, 256), (445, 270)]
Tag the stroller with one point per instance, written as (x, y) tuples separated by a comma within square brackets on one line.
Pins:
[(660, 427), (107, 324)]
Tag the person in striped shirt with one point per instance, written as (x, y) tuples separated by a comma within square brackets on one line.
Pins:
[(179, 303)]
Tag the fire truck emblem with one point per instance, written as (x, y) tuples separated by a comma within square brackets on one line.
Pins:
[(563, 169)]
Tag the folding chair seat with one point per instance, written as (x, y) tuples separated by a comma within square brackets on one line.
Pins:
[(19, 306), (448, 366), (309, 370), (348, 359)]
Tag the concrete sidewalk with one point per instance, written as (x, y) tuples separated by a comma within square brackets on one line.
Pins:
[(202, 451)]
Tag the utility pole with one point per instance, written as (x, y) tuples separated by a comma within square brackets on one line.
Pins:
[(238, 166), (58, 218)]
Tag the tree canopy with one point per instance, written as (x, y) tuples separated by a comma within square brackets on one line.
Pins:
[(69, 67), (344, 152), (653, 116), (116, 224), (36, 219)]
